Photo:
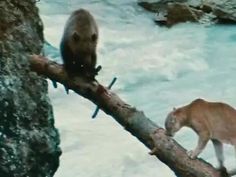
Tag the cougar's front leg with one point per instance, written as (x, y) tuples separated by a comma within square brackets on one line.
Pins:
[(202, 141)]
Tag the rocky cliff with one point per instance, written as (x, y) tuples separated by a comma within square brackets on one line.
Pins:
[(170, 12), (29, 142)]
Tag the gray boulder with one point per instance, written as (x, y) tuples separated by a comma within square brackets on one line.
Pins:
[(224, 10), (29, 142)]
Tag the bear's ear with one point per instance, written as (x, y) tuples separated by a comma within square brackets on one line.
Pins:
[(75, 36)]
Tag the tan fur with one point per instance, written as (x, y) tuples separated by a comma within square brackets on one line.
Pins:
[(214, 121)]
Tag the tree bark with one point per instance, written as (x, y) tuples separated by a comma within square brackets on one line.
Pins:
[(151, 135)]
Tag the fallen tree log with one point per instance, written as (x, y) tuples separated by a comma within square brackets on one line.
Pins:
[(151, 135)]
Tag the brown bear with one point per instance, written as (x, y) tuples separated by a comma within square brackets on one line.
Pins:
[(78, 44)]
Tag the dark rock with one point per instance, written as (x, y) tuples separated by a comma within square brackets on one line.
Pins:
[(158, 5), (176, 11), (206, 8), (29, 142), (181, 12)]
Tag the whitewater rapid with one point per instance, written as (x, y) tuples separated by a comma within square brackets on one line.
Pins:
[(157, 69)]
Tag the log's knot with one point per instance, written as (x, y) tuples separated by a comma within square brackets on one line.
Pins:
[(158, 130), (155, 135)]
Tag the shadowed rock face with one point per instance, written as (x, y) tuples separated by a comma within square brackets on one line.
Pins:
[(178, 12), (203, 11), (29, 142)]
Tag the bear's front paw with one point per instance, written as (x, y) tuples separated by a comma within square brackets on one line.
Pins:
[(191, 154), (96, 70)]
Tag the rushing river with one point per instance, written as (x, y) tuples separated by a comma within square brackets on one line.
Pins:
[(157, 69)]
